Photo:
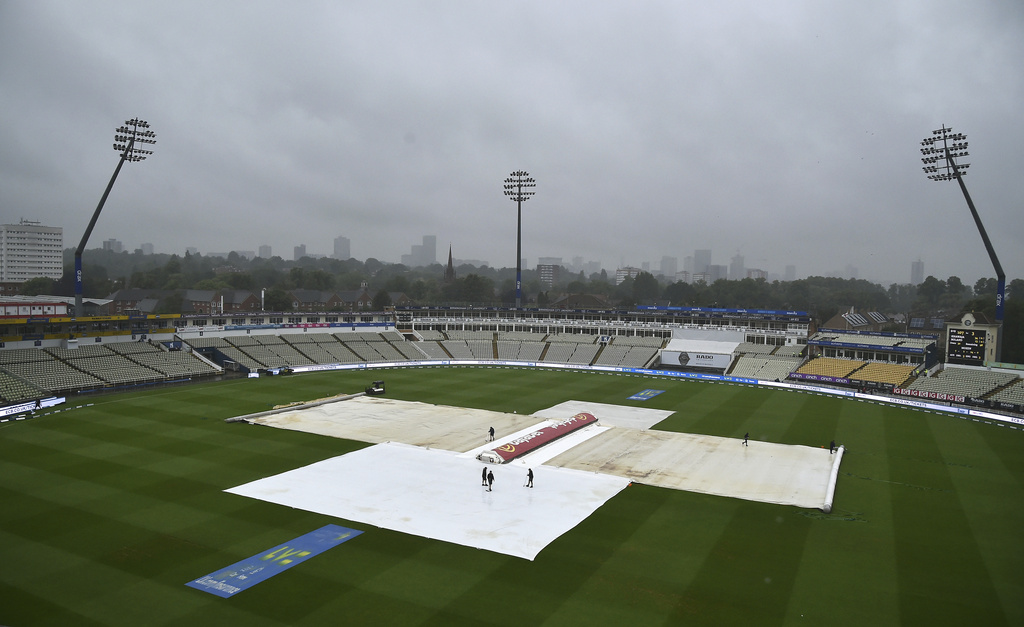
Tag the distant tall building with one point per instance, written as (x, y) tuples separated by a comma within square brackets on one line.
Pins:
[(342, 248), (701, 260), (917, 272), (424, 254), (113, 245), (790, 273), (736, 268), (265, 251), (549, 274), (147, 249), (669, 267), (628, 272), (716, 272), (755, 273), (299, 251), (29, 250)]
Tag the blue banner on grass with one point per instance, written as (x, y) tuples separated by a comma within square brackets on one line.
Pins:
[(230, 581), (644, 395)]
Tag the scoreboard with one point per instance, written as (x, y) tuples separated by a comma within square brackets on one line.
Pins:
[(966, 346)]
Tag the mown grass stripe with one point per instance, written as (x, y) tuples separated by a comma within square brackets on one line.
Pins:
[(942, 577), (849, 551), (983, 484), (750, 571)]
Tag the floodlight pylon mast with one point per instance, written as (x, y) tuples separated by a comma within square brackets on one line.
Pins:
[(125, 137), (519, 187), (954, 146)]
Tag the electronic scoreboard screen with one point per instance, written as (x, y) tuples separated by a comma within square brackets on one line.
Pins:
[(966, 346)]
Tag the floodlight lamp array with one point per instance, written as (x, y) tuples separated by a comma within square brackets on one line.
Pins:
[(127, 138), (519, 186), (940, 159)]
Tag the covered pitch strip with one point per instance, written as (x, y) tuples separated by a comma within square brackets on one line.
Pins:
[(521, 445), (429, 485)]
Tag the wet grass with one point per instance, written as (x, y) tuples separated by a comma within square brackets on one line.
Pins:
[(107, 511)]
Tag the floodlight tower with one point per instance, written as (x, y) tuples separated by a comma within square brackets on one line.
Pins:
[(946, 147), (134, 131), (519, 187)]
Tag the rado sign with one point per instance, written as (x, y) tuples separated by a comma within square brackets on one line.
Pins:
[(695, 360)]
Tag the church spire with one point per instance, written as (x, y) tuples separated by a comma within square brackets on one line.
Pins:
[(449, 272)]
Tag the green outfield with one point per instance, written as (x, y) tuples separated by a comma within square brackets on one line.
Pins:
[(106, 511)]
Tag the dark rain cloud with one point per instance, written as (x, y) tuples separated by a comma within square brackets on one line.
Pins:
[(784, 131)]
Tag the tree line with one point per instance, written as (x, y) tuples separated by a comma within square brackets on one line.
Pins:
[(105, 272)]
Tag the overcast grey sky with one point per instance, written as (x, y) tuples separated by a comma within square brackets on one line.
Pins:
[(786, 131)]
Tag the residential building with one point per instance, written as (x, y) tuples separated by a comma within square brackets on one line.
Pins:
[(29, 250), (736, 268), (342, 248), (239, 300), (669, 266), (917, 272), (549, 274), (628, 272)]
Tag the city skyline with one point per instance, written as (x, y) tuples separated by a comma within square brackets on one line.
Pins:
[(666, 269), (788, 134)]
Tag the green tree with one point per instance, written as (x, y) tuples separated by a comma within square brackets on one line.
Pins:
[(398, 284), (929, 292), (381, 300), (318, 280), (277, 300), (214, 284), (477, 289), (576, 287), (170, 304), (902, 297), (645, 288), (623, 292), (680, 294), (955, 287), (1015, 290), (37, 286), (418, 291), (986, 287)]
